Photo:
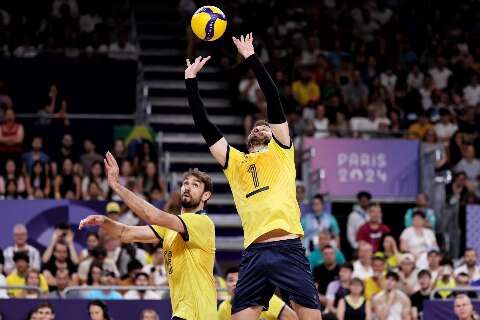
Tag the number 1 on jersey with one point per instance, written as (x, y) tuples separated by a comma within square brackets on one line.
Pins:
[(253, 170)]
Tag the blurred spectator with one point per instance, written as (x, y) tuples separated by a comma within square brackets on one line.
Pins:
[(305, 90), (3, 292), (248, 88), (317, 257), (33, 280), (362, 268), (44, 311), (149, 314), (388, 79), (122, 254), (319, 220), (98, 254), (126, 174), (434, 257), (156, 270), (19, 275), (11, 139), (67, 183), (65, 151), (357, 217), (391, 303), (408, 274), (355, 93), (354, 305), (321, 122), (462, 280), (471, 93), (471, 166), (141, 279), (373, 230), (119, 151), (97, 176), (457, 191), (38, 179), (108, 279), (20, 237), (389, 248), (98, 310), (415, 78), (469, 265), (62, 280), (145, 154), (60, 254), (151, 179), (133, 267), (421, 204), (418, 129), (445, 280), (90, 156), (463, 308), (115, 213), (93, 240), (445, 128), (376, 282), (302, 202), (422, 294), (12, 173), (338, 289), (36, 154), (95, 272), (122, 49), (58, 4), (469, 125), (418, 239), (325, 273), (440, 74)]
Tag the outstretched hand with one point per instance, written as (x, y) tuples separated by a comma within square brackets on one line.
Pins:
[(111, 169), (92, 220), (195, 67), (245, 45)]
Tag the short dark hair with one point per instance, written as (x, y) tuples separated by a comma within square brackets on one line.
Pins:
[(347, 265), (392, 275), (98, 251), (141, 274), (21, 255), (418, 213), (202, 176), (470, 249), (328, 247), (424, 272), (364, 194), (261, 123), (102, 305), (231, 270), (379, 257), (134, 264), (446, 262), (45, 305), (319, 197)]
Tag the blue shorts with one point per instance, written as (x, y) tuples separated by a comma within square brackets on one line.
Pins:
[(267, 266)]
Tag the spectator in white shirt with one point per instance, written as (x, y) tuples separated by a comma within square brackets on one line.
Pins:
[(426, 92), (445, 128), (415, 78), (141, 279), (320, 122), (3, 293), (440, 74), (20, 237), (471, 166), (470, 266), (362, 268), (358, 217), (388, 79), (471, 93), (122, 49)]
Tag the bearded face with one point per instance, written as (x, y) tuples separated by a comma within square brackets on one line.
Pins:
[(259, 136)]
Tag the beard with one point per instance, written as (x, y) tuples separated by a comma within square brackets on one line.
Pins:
[(189, 202), (255, 140)]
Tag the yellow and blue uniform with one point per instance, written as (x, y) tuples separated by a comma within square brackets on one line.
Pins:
[(189, 261), (275, 308), (263, 187)]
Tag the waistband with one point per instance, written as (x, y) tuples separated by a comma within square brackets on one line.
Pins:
[(276, 244)]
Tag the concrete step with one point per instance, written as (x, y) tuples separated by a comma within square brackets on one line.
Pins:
[(196, 138), (183, 103), (180, 84), (187, 119), (178, 68)]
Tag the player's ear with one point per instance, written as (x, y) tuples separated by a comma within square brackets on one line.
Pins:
[(206, 195)]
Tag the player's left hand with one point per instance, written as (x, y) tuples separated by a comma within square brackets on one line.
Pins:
[(92, 220), (195, 67), (112, 170), (245, 45)]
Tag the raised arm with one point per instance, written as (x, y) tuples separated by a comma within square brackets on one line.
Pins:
[(142, 208), (213, 137), (276, 117), (120, 231)]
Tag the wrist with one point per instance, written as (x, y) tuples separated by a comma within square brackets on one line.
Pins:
[(248, 54), (190, 76)]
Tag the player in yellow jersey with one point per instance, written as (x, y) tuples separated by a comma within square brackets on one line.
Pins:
[(277, 308), (263, 187), (188, 241)]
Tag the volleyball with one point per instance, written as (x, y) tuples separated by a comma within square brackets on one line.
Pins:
[(209, 23)]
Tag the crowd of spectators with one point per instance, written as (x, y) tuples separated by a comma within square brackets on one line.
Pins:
[(68, 28)]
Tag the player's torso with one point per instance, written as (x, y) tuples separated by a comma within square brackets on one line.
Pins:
[(190, 278)]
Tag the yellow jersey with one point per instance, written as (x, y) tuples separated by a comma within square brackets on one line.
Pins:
[(14, 279), (189, 260), (264, 191), (275, 307)]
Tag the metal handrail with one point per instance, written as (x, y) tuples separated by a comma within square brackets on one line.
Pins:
[(80, 116), (122, 288), (32, 288), (456, 289)]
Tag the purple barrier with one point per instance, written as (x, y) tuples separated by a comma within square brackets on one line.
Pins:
[(384, 167), (442, 310), (41, 216), (18, 309)]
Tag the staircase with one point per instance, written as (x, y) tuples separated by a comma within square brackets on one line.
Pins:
[(162, 42)]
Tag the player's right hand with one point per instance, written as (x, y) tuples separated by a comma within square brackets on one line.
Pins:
[(112, 170), (193, 68), (92, 220)]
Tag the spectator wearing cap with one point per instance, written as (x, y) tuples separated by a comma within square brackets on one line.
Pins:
[(20, 237), (126, 216), (19, 275), (422, 294), (463, 308), (376, 282), (99, 254), (418, 239), (373, 230), (445, 280), (358, 217), (319, 220), (108, 279), (421, 204), (408, 274), (391, 303), (469, 265), (141, 279), (445, 128)]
